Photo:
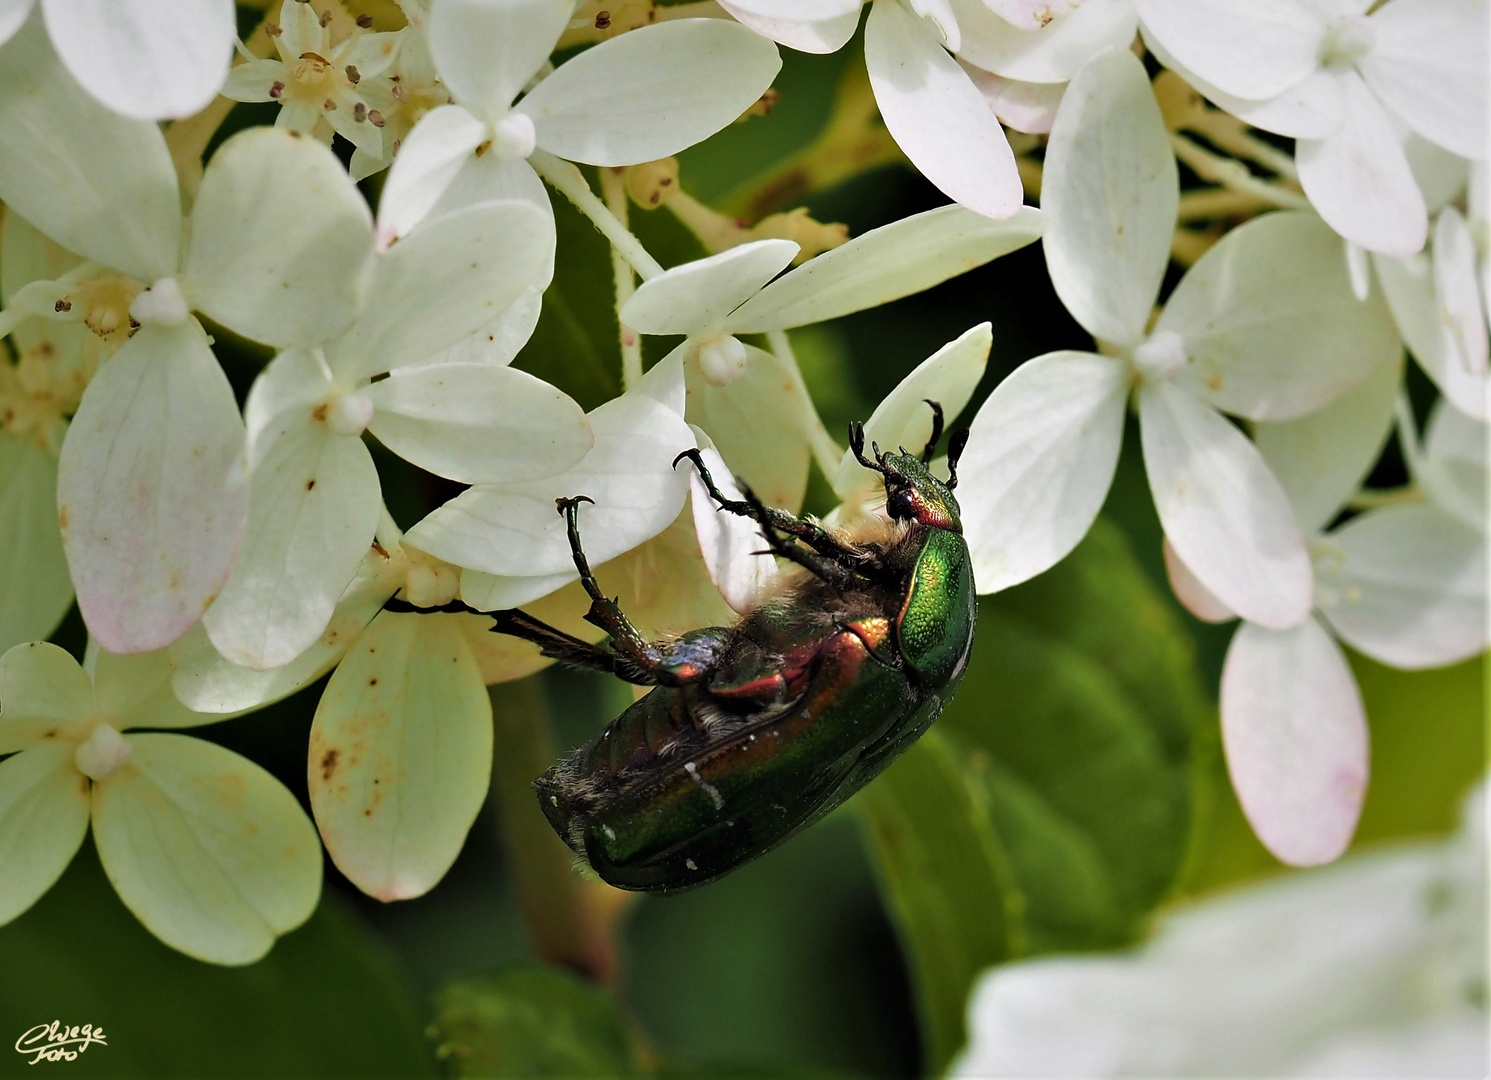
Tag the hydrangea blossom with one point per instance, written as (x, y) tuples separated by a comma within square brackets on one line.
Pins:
[(207, 849)]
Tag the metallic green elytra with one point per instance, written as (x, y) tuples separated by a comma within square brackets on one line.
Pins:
[(756, 730)]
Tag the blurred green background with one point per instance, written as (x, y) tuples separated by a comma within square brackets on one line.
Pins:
[(1073, 788)]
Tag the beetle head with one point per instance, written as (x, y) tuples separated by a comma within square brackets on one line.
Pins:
[(912, 493)]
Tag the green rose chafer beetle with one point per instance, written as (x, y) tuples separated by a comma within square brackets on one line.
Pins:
[(756, 730)]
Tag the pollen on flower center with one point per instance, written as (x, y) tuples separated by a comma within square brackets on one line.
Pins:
[(513, 137), (722, 360), (1347, 40), (161, 303), (1161, 356), (101, 754)]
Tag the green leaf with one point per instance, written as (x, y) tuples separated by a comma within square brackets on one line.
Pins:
[(325, 1002), (532, 1022), (1083, 711), (945, 880)]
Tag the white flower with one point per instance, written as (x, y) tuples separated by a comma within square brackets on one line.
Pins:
[(151, 486), (1338, 80), (1373, 967), (208, 850), (638, 97), (1264, 326), (410, 88), (320, 85), (315, 498), (147, 59)]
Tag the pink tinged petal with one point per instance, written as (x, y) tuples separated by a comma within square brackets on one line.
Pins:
[(1453, 257), (1052, 54), (1038, 464), (936, 114), (313, 506), (1271, 325), (731, 544), (400, 755), (652, 92), (886, 264), (35, 589), (209, 851), (1323, 459), (1021, 106), (96, 183), (44, 696), (487, 50), (697, 296), (1222, 510), (1409, 286), (1254, 50), (1192, 594), (513, 530), (13, 15), (144, 58), (1407, 586), (442, 283), (1036, 14), (827, 36), (1110, 197), (431, 156), (1454, 467), (151, 489), (282, 241), (949, 376), (1295, 735), (478, 423), (1429, 66), (1359, 180), (43, 819)]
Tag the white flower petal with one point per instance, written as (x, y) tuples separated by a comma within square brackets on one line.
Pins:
[(35, 589), (494, 592), (885, 264), (497, 342), (949, 376), (13, 15), (432, 154), (1110, 197), (731, 544), (487, 50), (1050, 54), (1407, 586), (1038, 464), (1454, 469), (1254, 50), (492, 178), (1035, 14), (816, 11), (400, 754), (695, 297), (1224, 513), (253, 80), (43, 819), (761, 421), (135, 691), (478, 423), (1020, 106), (207, 849), (1271, 325), (1193, 596), (1453, 257), (936, 114), (940, 14), (1441, 175), (281, 240), (514, 530), (313, 506), (1409, 286), (442, 283), (665, 384), (1295, 735), (1429, 66), (652, 92), (96, 183), (292, 384), (151, 490), (43, 695), (1323, 458), (1359, 180), (144, 58), (827, 36)]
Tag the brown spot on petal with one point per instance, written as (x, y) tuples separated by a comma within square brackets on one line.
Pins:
[(329, 763), (62, 516), (373, 681), (310, 485)]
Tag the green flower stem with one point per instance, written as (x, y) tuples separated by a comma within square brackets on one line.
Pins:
[(826, 452), (569, 181), (1231, 134), (569, 917), (1234, 175), (613, 187), (1408, 437)]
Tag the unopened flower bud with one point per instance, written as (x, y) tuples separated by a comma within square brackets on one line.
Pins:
[(722, 360)]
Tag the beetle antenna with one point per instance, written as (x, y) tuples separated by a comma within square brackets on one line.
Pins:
[(955, 444), (936, 431)]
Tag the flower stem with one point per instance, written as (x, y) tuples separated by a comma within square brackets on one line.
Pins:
[(1408, 436), (613, 187), (1231, 135), (568, 181), (1234, 175), (825, 451)]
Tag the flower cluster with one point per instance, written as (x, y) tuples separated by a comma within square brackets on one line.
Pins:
[(224, 556)]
